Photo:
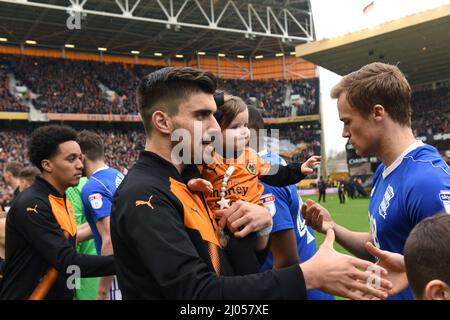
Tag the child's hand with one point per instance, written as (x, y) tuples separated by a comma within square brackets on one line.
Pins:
[(310, 164), (200, 185)]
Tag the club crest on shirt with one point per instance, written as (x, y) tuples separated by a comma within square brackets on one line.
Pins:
[(385, 203), (251, 168), (96, 200)]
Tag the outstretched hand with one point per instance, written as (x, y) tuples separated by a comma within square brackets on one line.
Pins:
[(343, 275), (316, 216), (309, 165), (394, 263)]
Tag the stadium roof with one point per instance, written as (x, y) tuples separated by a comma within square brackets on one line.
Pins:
[(166, 26), (419, 43)]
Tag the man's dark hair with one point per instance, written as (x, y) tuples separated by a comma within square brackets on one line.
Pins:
[(255, 119), (166, 88), (427, 252), (14, 168), (44, 142), (91, 145)]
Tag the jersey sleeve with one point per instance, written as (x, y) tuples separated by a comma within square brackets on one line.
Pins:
[(276, 199), (283, 176), (426, 195), (97, 201), (275, 174), (46, 236)]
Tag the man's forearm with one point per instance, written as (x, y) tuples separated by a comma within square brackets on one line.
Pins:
[(353, 241), (84, 233), (262, 242), (2, 237), (105, 282)]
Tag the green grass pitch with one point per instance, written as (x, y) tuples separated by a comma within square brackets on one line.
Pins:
[(353, 214)]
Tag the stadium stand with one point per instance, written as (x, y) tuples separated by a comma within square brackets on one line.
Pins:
[(8, 102), (100, 88), (431, 111)]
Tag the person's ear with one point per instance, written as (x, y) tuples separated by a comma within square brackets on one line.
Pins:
[(162, 122), (437, 290), (378, 112), (47, 166)]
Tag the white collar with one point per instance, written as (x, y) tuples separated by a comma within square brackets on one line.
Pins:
[(387, 171), (99, 169)]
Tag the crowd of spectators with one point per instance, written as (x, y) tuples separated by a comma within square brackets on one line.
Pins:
[(275, 98), (12, 144), (306, 138), (431, 111), (75, 86), (8, 102), (64, 86)]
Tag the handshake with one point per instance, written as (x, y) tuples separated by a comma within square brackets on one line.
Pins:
[(364, 279)]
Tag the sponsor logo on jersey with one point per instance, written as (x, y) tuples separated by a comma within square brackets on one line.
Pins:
[(232, 191), (34, 210), (147, 203), (444, 195)]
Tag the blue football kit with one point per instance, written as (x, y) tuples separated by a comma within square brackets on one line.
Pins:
[(285, 204), (415, 186)]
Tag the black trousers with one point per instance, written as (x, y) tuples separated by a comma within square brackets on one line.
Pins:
[(341, 197), (322, 195)]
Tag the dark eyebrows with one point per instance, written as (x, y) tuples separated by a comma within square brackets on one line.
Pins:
[(74, 155), (203, 112)]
